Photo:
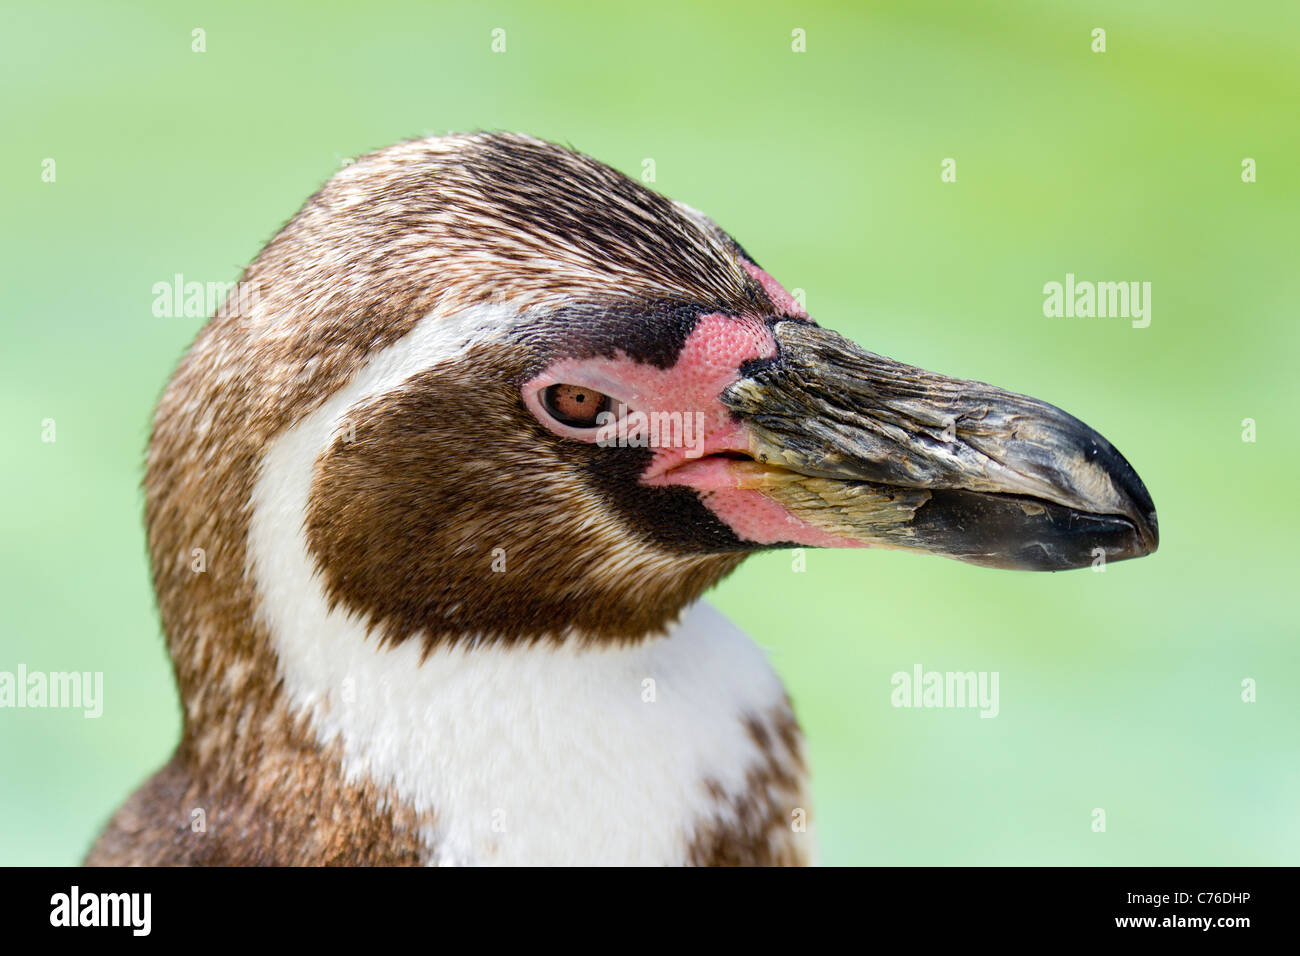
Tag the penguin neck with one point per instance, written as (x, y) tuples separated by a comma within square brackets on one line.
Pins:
[(485, 747)]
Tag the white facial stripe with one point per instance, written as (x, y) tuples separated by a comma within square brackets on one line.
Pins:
[(525, 754)]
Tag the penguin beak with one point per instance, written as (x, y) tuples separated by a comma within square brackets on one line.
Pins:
[(885, 454)]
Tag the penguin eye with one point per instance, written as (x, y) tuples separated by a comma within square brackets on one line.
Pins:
[(575, 405)]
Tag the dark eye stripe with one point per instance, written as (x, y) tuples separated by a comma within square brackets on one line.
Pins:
[(575, 405)]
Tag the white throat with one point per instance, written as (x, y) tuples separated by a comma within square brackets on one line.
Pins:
[(520, 754)]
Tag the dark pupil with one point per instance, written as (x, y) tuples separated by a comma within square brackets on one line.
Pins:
[(575, 406)]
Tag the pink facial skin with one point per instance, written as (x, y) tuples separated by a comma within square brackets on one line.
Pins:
[(709, 362), (783, 300)]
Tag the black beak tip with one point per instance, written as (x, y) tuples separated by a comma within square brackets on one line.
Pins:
[(1140, 510), (1141, 538), (1148, 534)]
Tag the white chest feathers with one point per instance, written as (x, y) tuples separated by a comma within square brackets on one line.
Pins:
[(545, 756)]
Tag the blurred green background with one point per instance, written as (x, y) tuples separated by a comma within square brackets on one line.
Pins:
[(1119, 691)]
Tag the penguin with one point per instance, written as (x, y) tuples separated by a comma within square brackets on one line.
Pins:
[(479, 428)]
